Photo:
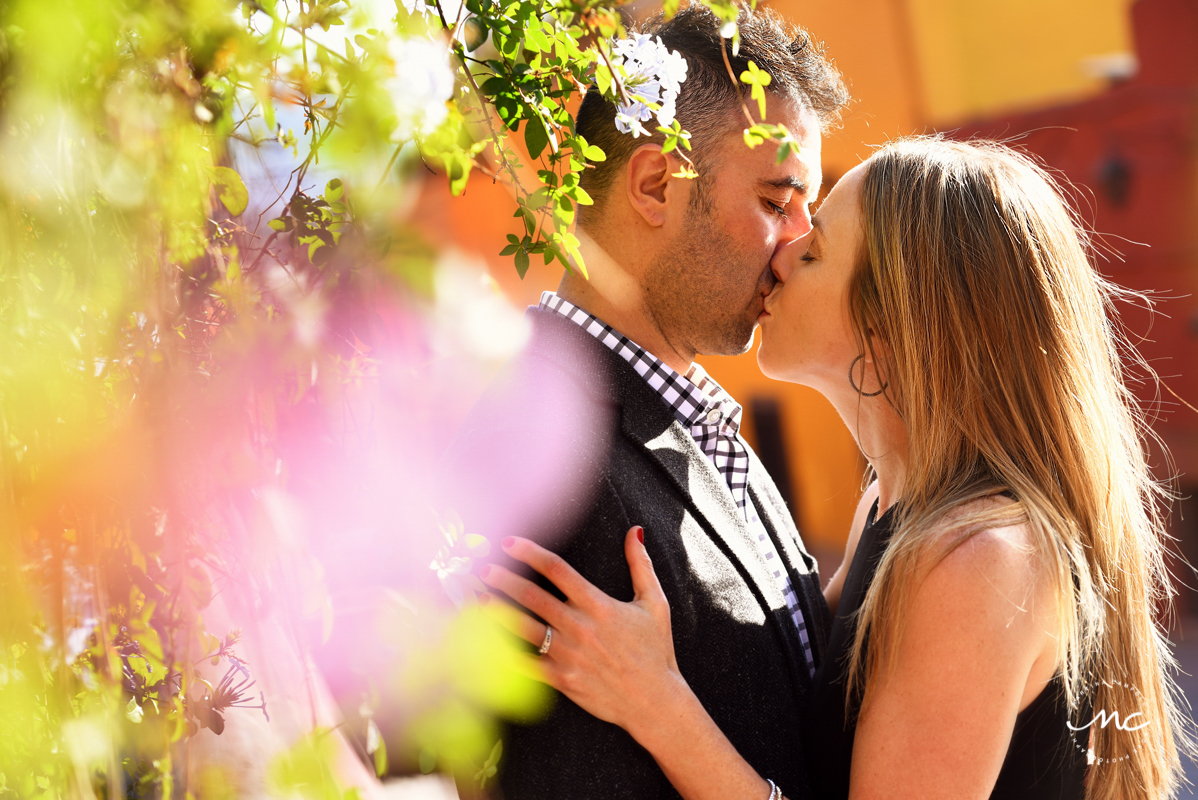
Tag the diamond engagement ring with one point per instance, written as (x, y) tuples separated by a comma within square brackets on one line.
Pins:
[(548, 640)]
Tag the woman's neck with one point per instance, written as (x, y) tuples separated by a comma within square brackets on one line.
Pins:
[(882, 438)]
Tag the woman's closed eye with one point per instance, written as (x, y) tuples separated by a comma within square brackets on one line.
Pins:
[(815, 246)]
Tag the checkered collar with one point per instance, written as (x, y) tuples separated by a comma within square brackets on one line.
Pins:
[(698, 402)]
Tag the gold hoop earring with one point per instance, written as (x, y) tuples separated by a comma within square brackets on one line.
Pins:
[(857, 388)]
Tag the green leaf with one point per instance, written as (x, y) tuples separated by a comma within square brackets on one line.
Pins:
[(232, 190), (459, 174), (268, 105), (428, 760), (535, 39), (133, 711), (758, 79), (492, 763), (521, 263), (333, 190), (530, 221), (380, 759), (594, 153), (536, 138), (479, 546), (496, 86), (349, 50), (563, 215), (474, 34), (277, 224), (538, 199), (603, 79), (579, 264), (756, 135)]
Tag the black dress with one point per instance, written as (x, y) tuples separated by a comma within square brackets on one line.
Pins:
[(1042, 762)]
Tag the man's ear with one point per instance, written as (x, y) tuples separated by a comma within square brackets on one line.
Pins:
[(647, 178)]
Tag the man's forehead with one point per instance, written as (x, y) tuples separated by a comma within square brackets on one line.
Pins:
[(800, 172), (757, 166)]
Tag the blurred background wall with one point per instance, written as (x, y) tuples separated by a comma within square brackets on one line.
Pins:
[(1104, 91)]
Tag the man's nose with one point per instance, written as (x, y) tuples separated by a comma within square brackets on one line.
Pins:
[(800, 225)]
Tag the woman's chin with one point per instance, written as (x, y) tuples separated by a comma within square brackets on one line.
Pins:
[(764, 362), (769, 366)]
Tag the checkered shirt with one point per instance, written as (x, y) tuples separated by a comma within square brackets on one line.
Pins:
[(712, 418)]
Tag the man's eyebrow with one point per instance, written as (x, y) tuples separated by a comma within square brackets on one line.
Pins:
[(789, 182)]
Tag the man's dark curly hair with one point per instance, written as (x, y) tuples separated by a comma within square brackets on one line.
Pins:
[(708, 104)]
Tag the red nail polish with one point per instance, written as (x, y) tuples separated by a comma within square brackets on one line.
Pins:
[(484, 598), (640, 533), (508, 542), (484, 570)]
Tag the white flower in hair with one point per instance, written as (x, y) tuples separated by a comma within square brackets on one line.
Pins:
[(653, 78)]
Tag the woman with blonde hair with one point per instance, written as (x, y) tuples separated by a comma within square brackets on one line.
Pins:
[(995, 627)]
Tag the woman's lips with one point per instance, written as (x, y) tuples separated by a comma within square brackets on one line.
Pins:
[(765, 305)]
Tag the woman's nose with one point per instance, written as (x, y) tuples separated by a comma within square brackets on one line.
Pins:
[(785, 257)]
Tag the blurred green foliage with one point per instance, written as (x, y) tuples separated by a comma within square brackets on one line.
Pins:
[(157, 164)]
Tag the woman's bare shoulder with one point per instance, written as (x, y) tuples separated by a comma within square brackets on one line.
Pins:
[(985, 545)]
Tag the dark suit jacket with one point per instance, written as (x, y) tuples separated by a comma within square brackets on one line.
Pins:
[(735, 643)]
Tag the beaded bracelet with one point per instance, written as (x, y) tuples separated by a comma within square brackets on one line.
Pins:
[(775, 790)]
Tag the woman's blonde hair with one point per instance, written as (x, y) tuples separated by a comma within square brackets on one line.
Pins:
[(1006, 363)]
